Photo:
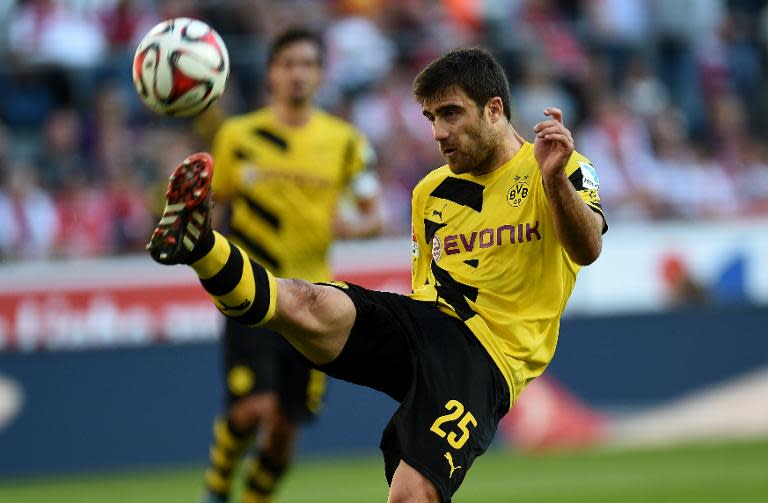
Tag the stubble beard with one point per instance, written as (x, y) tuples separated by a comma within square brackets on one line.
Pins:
[(479, 154)]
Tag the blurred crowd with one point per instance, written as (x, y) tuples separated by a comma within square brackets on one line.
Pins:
[(666, 97)]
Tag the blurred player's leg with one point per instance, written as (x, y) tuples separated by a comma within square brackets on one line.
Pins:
[(270, 463), (270, 390), (229, 443), (233, 435), (300, 391)]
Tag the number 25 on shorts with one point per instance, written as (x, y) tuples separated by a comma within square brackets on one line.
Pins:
[(457, 409)]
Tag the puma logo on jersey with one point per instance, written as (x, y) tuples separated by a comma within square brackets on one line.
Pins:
[(486, 238), (240, 307), (439, 213), (450, 462)]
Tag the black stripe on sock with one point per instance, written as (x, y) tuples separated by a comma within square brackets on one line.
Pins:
[(202, 248), (228, 277), (274, 468), (255, 487), (260, 305), (224, 472), (271, 469), (255, 250), (270, 218), (460, 191)]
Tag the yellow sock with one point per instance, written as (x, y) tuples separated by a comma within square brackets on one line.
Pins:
[(262, 478), (241, 289), (226, 450)]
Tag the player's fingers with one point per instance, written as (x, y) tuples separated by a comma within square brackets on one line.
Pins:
[(556, 129), (555, 113), (560, 138), (545, 124)]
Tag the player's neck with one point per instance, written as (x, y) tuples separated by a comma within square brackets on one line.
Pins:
[(293, 115), (511, 143)]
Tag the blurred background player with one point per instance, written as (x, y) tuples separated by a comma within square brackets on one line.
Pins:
[(281, 173)]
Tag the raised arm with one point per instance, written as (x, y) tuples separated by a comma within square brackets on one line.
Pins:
[(578, 226)]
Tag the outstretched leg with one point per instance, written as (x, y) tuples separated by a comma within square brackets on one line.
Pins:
[(316, 319)]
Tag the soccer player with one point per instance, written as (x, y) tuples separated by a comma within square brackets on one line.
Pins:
[(281, 171), (500, 233)]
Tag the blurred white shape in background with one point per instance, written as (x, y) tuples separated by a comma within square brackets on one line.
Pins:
[(11, 400)]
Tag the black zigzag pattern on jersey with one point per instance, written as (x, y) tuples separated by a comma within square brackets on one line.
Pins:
[(228, 277), (472, 263), (256, 207), (255, 250), (454, 292), (260, 304), (271, 137), (459, 191), (577, 179), (430, 228)]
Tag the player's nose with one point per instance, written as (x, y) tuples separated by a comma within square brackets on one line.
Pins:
[(439, 131)]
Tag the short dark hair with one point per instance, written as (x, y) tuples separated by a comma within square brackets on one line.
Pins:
[(473, 70), (292, 35)]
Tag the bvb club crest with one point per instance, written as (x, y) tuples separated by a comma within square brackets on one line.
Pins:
[(517, 194), (437, 248)]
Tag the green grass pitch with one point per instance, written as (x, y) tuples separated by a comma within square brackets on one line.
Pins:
[(695, 473)]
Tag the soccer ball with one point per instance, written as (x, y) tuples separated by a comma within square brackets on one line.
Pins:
[(180, 67)]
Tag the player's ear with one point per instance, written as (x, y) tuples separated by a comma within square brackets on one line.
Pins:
[(494, 109)]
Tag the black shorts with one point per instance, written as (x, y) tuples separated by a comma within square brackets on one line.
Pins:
[(451, 393), (257, 360)]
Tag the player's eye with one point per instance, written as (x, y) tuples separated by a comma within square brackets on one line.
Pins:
[(450, 114)]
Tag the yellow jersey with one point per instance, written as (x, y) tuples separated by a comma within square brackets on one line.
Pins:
[(486, 251), (283, 184)]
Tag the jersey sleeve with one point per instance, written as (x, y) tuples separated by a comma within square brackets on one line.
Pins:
[(359, 157), (419, 250), (585, 180), (224, 157)]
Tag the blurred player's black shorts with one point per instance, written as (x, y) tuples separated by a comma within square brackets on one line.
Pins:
[(257, 360), (451, 393)]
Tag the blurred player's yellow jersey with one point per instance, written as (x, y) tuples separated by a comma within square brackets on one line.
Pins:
[(284, 184), (485, 249)]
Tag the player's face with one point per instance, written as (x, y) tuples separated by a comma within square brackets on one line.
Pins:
[(295, 73), (465, 138)]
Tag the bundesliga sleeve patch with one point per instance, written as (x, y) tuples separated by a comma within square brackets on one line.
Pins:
[(589, 178), (414, 243)]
